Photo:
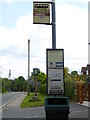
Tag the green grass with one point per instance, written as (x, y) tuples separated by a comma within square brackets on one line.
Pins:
[(5, 92), (30, 102)]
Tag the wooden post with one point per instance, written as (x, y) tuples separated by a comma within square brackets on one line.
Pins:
[(81, 92), (88, 79), (35, 85), (89, 92), (77, 91)]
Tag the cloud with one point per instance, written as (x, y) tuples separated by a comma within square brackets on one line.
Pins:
[(71, 34), (57, 1), (72, 29)]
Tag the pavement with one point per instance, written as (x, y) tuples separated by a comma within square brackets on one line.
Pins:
[(85, 103), (13, 110)]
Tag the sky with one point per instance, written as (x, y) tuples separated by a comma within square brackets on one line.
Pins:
[(16, 27)]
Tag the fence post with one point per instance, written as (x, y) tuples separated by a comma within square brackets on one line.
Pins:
[(77, 91), (81, 92), (89, 92)]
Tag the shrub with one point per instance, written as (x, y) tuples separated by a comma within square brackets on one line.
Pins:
[(69, 88), (43, 89)]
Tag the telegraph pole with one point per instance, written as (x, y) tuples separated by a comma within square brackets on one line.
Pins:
[(88, 66), (9, 78), (89, 34), (53, 25), (28, 64)]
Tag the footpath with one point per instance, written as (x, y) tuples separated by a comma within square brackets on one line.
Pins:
[(13, 110), (85, 103)]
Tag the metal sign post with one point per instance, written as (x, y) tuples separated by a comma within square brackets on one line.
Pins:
[(41, 15), (53, 26)]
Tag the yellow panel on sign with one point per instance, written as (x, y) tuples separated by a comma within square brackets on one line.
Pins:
[(41, 13)]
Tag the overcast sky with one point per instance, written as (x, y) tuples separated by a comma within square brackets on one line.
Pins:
[(16, 27)]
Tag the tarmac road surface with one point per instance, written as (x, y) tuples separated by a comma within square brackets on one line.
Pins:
[(10, 96)]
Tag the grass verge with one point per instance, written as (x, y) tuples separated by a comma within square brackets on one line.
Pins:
[(30, 102)]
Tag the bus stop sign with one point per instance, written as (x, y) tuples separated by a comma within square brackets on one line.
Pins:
[(55, 71), (41, 12)]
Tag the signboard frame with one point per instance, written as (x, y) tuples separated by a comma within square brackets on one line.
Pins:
[(47, 72), (38, 22)]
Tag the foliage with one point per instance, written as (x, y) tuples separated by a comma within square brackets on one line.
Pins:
[(5, 85), (74, 73), (18, 84), (41, 77), (69, 88), (43, 89), (66, 72), (21, 78), (0, 85)]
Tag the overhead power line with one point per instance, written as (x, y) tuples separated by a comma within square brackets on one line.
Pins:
[(24, 55)]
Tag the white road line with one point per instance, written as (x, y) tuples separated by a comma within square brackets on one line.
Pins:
[(36, 116), (2, 107), (79, 111)]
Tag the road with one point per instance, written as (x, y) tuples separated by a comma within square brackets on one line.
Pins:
[(9, 97), (13, 110)]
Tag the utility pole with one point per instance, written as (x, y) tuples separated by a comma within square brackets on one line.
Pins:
[(89, 33), (9, 78), (53, 25), (88, 66), (28, 64)]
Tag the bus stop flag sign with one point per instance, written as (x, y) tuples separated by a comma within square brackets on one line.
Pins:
[(41, 13), (55, 71)]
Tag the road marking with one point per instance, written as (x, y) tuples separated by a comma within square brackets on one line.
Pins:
[(79, 111), (36, 116), (3, 106)]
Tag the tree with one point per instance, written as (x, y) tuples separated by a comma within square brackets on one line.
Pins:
[(74, 73), (19, 84), (41, 77), (5, 84), (21, 78), (66, 72)]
